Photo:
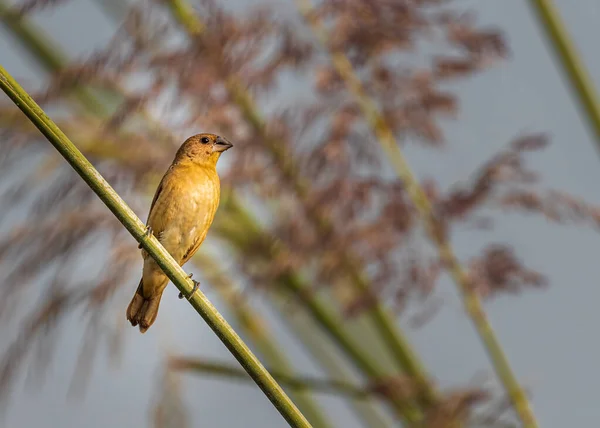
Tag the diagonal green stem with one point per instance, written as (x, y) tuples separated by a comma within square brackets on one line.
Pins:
[(137, 229), (471, 301), (573, 67)]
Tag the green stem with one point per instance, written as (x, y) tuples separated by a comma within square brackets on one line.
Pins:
[(572, 65), (137, 229), (470, 300), (299, 383)]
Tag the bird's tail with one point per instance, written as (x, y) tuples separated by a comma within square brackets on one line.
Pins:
[(142, 310)]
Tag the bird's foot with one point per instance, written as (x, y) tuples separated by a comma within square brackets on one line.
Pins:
[(196, 287), (147, 234)]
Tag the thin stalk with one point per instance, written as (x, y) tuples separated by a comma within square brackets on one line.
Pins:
[(169, 266), (395, 340), (470, 300), (255, 328), (410, 362), (298, 383), (573, 67)]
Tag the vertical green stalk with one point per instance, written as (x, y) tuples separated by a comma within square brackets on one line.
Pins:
[(572, 65), (170, 267), (385, 325), (470, 300)]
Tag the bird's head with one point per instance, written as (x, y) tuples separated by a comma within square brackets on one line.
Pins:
[(203, 149)]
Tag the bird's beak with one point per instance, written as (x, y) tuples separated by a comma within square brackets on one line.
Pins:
[(222, 144)]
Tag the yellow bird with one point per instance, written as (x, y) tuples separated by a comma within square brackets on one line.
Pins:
[(181, 213)]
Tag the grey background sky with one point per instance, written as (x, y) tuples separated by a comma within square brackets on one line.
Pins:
[(550, 336)]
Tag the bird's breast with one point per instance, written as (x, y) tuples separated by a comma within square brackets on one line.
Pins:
[(186, 211)]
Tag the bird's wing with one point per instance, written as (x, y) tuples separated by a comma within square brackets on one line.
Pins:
[(158, 191), (212, 209), (192, 250)]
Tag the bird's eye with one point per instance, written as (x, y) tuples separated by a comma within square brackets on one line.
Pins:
[(205, 140)]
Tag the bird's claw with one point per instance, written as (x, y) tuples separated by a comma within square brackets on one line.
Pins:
[(147, 234), (196, 287)]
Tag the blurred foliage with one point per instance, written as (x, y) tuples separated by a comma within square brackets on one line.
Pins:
[(311, 214)]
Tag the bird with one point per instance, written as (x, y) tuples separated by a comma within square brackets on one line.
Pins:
[(181, 212)]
